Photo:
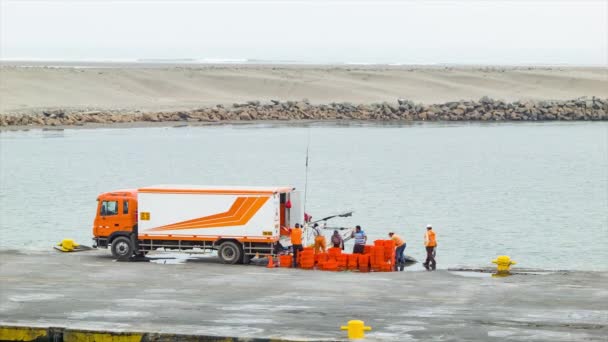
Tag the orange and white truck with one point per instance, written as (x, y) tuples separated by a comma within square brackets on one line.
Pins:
[(238, 222)]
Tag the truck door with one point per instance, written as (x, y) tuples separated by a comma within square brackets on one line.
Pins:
[(296, 214), (114, 215)]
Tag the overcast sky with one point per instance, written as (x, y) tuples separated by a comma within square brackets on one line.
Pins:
[(412, 32)]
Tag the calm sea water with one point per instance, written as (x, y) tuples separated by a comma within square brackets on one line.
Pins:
[(536, 192)]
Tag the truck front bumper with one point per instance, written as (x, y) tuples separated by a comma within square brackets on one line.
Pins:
[(100, 242)]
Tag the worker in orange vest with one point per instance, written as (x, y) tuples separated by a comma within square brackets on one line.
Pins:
[(430, 243), (296, 243), (320, 242), (399, 249)]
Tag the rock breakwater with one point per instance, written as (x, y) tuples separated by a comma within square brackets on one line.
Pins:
[(485, 109)]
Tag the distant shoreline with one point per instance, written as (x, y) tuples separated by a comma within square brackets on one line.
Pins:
[(290, 123), (483, 110), (134, 89), (194, 63)]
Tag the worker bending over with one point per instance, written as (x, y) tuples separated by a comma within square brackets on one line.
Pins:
[(430, 243), (320, 242), (399, 250), (296, 243)]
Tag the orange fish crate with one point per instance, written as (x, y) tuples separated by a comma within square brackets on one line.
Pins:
[(306, 257), (389, 249), (330, 265), (342, 260), (353, 261), (334, 252), (306, 253), (285, 261), (320, 259), (363, 260), (377, 258), (386, 267), (307, 262)]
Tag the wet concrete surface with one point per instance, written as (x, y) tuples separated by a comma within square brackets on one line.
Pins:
[(89, 290)]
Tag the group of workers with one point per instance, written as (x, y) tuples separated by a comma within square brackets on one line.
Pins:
[(430, 243), (360, 238)]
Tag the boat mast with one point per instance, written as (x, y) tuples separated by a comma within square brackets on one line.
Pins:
[(306, 173)]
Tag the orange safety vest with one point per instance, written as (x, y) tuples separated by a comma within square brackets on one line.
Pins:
[(429, 239), (296, 236), (398, 240)]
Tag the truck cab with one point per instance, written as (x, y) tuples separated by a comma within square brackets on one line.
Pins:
[(116, 216)]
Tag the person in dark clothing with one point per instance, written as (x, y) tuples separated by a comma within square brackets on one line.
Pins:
[(336, 240), (430, 242), (296, 243)]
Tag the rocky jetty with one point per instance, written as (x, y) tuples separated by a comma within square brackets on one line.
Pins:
[(485, 109)]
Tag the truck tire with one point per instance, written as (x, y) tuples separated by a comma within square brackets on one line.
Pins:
[(230, 253), (122, 249)]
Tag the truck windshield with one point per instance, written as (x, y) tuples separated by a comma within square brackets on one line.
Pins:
[(109, 208)]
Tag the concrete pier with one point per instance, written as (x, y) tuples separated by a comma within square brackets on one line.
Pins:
[(90, 291)]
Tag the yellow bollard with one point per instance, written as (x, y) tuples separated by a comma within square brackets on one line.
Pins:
[(503, 264), (67, 245), (356, 329)]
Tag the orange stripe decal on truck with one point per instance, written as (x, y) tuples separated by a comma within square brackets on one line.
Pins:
[(241, 211)]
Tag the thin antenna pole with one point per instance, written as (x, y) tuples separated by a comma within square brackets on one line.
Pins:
[(306, 175)]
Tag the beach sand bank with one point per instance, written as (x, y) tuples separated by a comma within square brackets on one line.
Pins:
[(33, 88)]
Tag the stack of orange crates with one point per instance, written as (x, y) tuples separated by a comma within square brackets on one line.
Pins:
[(383, 255), (389, 254), (379, 257), (330, 265), (305, 250), (353, 262), (307, 258), (320, 259), (363, 260), (342, 260)]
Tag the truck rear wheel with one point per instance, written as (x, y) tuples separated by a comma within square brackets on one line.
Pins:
[(230, 252), (122, 249)]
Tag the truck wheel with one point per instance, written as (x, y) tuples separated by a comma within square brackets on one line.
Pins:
[(230, 252), (122, 249)]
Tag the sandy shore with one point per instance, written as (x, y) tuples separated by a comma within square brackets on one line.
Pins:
[(33, 88), (88, 290)]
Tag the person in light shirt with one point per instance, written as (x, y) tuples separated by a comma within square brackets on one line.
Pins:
[(360, 240)]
